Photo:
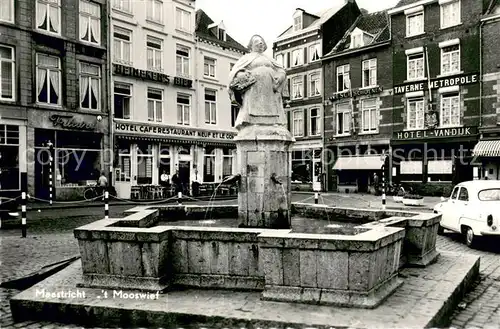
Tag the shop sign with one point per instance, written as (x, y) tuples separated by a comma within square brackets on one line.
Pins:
[(182, 82), (435, 133), (172, 131), (437, 83), (70, 122), (356, 93), (128, 71)]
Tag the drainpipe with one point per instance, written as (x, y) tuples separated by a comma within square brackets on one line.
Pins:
[(481, 74), (109, 90)]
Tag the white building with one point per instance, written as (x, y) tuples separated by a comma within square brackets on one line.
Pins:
[(160, 93)]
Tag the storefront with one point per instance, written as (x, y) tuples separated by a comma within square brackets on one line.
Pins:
[(487, 159), (307, 167), (78, 145), (143, 152), (13, 157)]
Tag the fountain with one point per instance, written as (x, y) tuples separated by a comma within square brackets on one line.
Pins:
[(321, 255)]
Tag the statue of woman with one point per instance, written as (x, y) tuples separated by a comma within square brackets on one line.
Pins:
[(258, 85)]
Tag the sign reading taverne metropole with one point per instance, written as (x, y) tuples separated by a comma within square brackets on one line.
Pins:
[(437, 83), (171, 131)]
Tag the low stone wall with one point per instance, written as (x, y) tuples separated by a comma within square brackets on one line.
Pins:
[(193, 212), (337, 213), (359, 271)]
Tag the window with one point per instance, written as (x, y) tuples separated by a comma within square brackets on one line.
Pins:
[(302, 164), (90, 86), (297, 23), (183, 109), (7, 73), (209, 67), (210, 106), (183, 20), (450, 59), (314, 87), (415, 23), (155, 104), (415, 66), (234, 114), (356, 40), (164, 163), (315, 52), (464, 194), (221, 34), (7, 11), (343, 116), (123, 5), (154, 53), (369, 120), (90, 22), (227, 162), (209, 165), (122, 44), (297, 87), (450, 110), (298, 123), (343, 78), (48, 16), (182, 61), (144, 164), (10, 176), (154, 10), (450, 14), (297, 57), (123, 97), (492, 194), (415, 119), (124, 162), (48, 79), (280, 59), (370, 73), (314, 122)]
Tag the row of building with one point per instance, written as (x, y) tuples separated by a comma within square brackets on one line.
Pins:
[(131, 88), (414, 89)]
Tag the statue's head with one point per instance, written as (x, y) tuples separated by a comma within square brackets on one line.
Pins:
[(257, 44)]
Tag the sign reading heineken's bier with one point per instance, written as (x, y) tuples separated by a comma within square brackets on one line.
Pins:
[(128, 71), (171, 131), (435, 133), (437, 83)]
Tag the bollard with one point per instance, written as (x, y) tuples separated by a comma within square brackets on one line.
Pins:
[(106, 205), (179, 198), (23, 214), (316, 197), (50, 174), (383, 187)]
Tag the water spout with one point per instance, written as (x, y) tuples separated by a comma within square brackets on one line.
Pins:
[(233, 179), (275, 180)]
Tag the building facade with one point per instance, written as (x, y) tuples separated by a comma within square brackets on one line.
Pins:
[(299, 50), (436, 78), (54, 54), (160, 93), (358, 107)]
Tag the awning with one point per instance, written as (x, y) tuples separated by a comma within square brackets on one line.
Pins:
[(487, 148), (181, 141), (367, 162)]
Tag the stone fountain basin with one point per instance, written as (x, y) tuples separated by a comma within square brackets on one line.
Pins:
[(347, 269)]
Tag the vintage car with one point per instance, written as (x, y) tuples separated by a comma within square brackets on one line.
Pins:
[(473, 209)]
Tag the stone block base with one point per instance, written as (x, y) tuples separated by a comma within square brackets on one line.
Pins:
[(422, 260), (123, 282), (344, 298), (219, 281)]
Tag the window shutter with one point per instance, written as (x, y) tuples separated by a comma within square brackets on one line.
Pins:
[(288, 59), (305, 86), (305, 55), (305, 122), (288, 120)]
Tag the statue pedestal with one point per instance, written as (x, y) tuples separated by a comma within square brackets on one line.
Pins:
[(264, 151)]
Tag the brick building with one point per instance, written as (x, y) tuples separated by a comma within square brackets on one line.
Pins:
[(487, 151), (299, 50), (53, 90), (358, 110), (436, 78)]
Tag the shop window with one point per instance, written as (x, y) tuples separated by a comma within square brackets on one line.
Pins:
[(369, 121), (182, 61), (210, 106), (144, 164), (415, 21), (90, 22), (165, 160), (48, 79), (209, 165), (450, 59), (124, 164), (90, 86), (9, 154), (411, 170), (415, 66), (227, 162), (155, 104), (298, 123), (122, 100), (314, 84), (183, 109), (48, 16), (450, 110), (439, 169), (369, 73), (450, 13), (122, 46), (154, 10), (314, 122), (415, 114), (154, 53), (343, 119), (209, 67), (302, 165), (7, 70), (7, 11), (123, 5)]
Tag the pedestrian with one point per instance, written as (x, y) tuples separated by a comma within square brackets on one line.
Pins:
[(376, 183), (102, 184), (195, 183), (176, 181)]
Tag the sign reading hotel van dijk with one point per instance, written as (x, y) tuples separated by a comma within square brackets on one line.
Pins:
[(70, 122), (128, 71), (437, 83), (356, 93), (435, 133), (171, 131)]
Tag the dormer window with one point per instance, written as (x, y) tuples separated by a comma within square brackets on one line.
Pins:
[(222, 34), (297, 20), (356, 41), (359, 38)]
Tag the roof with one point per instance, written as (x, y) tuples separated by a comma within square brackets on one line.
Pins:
[(323, 16), (493, 7), (402, 3), (203, 21), (376, 24), (480, 184)]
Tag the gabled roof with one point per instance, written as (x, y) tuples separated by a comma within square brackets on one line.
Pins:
[(402, 3), (494, 7), (203, 30), (376, 24)]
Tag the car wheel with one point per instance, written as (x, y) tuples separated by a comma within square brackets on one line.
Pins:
[(470, 239), (440, 229)]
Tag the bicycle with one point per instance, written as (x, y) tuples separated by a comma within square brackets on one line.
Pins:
[(91, 192)]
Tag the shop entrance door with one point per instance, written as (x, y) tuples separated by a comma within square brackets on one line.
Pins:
[(42, 168), (184, 173)]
